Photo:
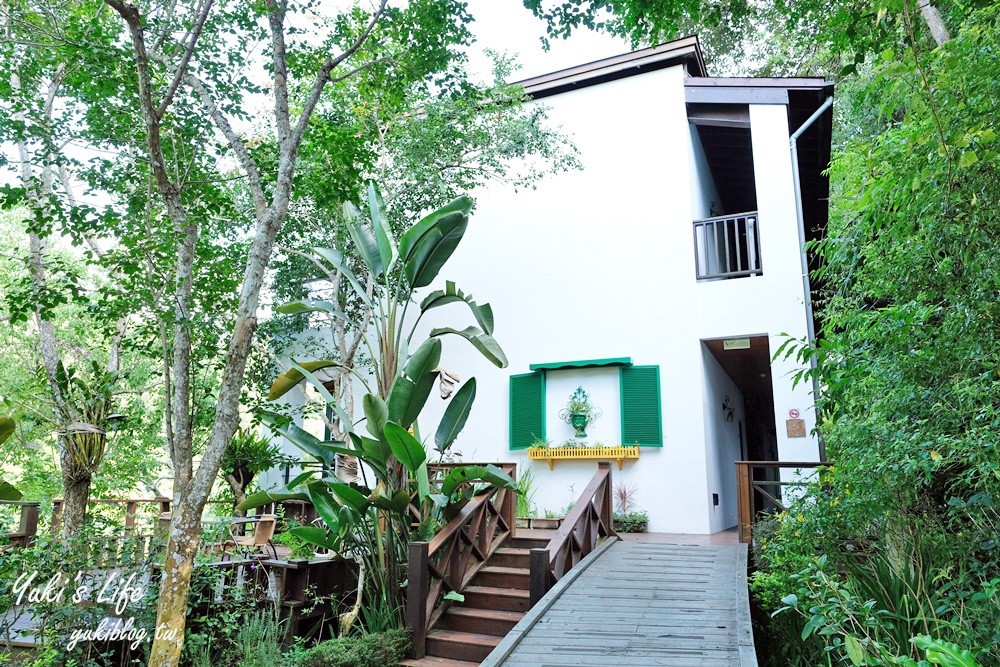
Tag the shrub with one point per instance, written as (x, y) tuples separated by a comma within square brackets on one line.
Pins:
[(633, 522), (372, 650)]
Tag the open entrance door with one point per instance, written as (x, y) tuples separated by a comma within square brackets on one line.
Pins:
[(739, 418)]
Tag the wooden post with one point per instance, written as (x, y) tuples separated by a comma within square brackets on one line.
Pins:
[(607, 515), (510, 504), (56, 514), (130, 507), (29, 523), (417, 589), (164, 505), (744, 501), (540, 578)]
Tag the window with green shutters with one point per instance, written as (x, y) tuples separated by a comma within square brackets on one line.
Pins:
[(640, 393), (527, 409)]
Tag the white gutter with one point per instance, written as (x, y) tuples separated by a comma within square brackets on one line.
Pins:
[(806, 294)]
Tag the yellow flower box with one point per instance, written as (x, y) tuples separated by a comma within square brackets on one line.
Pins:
[(582, 452)]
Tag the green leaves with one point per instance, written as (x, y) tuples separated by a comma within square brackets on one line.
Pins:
[(427, 245), (408, 398), (451, 294), (455, 416), (405, 447), (489, 474), (376, 414), (6, 428), (8, 492), (483, 342), (854, 651)]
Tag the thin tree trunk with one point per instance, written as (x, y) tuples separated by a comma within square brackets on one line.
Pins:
[(171, 610), (939, 31)]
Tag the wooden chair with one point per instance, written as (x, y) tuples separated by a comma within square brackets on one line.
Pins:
[(258, 541)]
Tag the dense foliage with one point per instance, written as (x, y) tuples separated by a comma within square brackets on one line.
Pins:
[(908, 361)]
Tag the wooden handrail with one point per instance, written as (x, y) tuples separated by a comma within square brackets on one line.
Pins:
[(747, 489), (581, 530), (453, 557)]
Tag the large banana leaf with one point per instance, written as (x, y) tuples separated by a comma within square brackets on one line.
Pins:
[(349, 496), (405, 447), (483, 342), (374, 452), (290, 491), (376, 414), (307, 371), (427, 245), (6, 428), (424, 360), (318, 536), (312, 306), (451, 294), (455, 416), (323, 450), (336, 258), (407, 398), (380, 224), (285, 382), (489, 474), (364, 240), (326, 506)]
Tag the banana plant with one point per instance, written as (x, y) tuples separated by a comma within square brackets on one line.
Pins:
[(399, 270), (374, 520)]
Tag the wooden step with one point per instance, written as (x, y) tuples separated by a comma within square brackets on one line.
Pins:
[(511, 557), (482, 621), (490, 597), (469, 646), (434, 661), (503, 577), (527, 543)]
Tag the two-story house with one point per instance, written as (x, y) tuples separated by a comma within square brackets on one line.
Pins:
[(660, 279)]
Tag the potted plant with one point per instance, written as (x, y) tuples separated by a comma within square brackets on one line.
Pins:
[(580, 412)]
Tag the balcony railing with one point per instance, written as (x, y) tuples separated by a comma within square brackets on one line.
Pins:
[(727, 246)]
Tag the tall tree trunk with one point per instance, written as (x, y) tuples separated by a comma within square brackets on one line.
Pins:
[(76, 495), (939, 31)]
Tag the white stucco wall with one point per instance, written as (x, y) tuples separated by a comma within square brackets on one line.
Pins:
[(598, 264), (722, 441)]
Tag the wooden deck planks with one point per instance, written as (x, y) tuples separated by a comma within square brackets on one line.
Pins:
[(644, 604)]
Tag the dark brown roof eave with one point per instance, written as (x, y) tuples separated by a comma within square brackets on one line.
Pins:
[(680, 51)]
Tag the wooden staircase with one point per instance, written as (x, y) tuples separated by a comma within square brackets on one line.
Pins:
[(496, 598)]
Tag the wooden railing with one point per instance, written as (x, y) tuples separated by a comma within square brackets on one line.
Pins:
[(450, 560), (131, 505), (588, 522), (27, 524), (753, 496)]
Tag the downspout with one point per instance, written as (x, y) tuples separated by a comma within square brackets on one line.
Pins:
[(806, 294)]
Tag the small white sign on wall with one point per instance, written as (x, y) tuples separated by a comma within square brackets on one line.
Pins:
[(736, 344)]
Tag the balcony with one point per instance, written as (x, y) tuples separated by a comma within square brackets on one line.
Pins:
[(727, 246)]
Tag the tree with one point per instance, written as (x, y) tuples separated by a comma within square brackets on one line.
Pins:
[(175, 78)]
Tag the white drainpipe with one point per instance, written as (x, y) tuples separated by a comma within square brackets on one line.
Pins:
[(806, 295)]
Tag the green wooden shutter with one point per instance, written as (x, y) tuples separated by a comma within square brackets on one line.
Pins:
[(641, 419), (527, 409)]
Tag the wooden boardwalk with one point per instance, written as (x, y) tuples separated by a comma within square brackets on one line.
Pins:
[(641, 603)]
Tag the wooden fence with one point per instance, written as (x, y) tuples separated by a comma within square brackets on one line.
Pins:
[(755, 492)]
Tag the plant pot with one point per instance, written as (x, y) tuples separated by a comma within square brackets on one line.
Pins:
[(522, 522), (546, 523), (579, 422)]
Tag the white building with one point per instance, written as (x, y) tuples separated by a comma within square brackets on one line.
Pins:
[(661, 278)]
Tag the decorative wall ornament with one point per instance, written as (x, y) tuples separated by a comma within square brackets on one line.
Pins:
[(579, 412), (728, 409)]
